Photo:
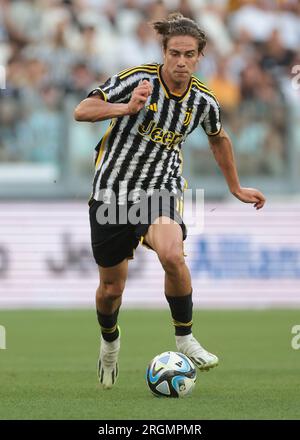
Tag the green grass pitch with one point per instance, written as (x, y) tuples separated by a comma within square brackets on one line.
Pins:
[(48, 370)]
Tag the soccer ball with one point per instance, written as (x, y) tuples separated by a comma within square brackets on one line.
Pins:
[(171, 374)]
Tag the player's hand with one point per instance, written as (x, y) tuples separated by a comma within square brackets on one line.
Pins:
[(139, 97), (250, 195)]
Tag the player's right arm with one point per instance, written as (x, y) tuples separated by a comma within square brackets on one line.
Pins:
[(95, 108)]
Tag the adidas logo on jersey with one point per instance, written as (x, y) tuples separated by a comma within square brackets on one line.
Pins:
[(152, 107)]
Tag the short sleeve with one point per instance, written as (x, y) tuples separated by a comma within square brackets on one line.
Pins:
[(114, 90), (212, 124)]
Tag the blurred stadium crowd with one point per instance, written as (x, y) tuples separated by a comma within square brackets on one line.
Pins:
[(55, 51)]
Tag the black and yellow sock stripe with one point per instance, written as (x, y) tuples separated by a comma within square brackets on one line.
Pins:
[(108, 325), (109, 330), (110, 334), (182, 311), (182, 328), (182, 324)]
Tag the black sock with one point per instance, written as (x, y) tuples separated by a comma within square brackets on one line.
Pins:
[(108, 324), (182, 311)]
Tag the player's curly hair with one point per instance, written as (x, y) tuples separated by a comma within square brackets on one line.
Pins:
[(176, 24)]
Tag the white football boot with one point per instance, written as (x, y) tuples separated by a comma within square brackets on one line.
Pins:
[(108, 362), (189, 346)]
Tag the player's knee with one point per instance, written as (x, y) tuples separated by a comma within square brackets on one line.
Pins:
[(172, 259), (112, 290)]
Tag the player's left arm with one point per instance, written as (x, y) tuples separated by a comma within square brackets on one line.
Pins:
[(223, 152)]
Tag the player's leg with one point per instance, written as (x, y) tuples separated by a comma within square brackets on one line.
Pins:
[(112, 245), (165, 238), (167, 241), (108, 302)]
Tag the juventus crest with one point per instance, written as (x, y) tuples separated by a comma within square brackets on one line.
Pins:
[(188, 116)]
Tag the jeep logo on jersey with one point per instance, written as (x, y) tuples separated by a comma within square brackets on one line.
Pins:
[(156, 134)]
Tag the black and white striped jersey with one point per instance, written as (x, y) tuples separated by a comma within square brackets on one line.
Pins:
[(144, 151)]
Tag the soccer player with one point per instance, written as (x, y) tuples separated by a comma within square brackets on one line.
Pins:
[(153, 108)]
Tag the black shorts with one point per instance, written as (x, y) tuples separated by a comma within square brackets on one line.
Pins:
[(113, 242)]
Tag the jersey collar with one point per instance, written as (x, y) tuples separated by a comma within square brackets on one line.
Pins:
[(178, 98)]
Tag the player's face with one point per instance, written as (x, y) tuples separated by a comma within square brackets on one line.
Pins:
[(181, 58)]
